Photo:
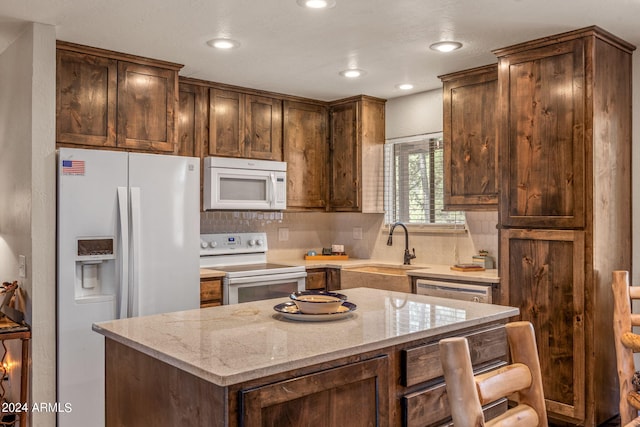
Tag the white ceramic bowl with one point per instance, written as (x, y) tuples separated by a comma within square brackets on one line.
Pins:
[(318, 302)]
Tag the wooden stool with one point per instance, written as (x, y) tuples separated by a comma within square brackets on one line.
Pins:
[(467, 393), (626, 343)]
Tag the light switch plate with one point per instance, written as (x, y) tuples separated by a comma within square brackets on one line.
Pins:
[(22, 266)]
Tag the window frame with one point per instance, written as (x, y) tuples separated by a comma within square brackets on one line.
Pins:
[(390, 199)]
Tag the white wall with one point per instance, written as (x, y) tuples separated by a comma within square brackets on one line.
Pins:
[(27, 195)]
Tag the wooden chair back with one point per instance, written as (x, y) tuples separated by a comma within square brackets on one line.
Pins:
[(626, 343), (468, 393)]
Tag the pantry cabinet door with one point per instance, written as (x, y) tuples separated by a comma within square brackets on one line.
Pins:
[(542, 143), (546, 282)]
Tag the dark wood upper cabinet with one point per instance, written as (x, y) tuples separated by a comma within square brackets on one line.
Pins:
[(244, 125), (470, 129), (357, 128), (263, 127), (192, 119), (112, 99), (86, 93), (306, 152), (147, 101)]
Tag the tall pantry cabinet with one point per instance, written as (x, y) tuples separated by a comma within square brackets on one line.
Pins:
[(565, 207)]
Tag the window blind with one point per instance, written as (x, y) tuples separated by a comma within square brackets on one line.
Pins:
[(414, 182)]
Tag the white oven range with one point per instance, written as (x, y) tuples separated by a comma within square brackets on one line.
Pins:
[(249, 277)]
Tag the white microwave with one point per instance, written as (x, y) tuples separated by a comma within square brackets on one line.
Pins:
[(244, 184)]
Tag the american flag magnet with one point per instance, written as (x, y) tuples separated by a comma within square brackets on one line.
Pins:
[(73, 167)]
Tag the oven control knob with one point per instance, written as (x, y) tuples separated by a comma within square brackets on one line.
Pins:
[(203, 244), (259, 242), (213, 244), (251, 242)]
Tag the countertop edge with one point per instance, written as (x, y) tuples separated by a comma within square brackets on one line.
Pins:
[(259, 372)]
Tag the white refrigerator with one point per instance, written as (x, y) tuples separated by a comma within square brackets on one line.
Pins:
[(128, 245)]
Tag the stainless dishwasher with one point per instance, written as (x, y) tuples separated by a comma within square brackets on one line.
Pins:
[(456, 290)]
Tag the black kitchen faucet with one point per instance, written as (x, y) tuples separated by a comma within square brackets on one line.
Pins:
[(407, 255)]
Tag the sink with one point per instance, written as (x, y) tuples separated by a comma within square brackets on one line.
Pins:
[(387, 277), (393, 270)]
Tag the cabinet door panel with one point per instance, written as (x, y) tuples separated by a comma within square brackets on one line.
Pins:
[(305, 151), (325, 398), (86, 89), (192, 120), (470, 138), (546, 275), (543, 176), (263, 133), (226, 112), (345, 155), (146, 103)]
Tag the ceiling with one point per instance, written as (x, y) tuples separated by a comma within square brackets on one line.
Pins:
[(289, 49)]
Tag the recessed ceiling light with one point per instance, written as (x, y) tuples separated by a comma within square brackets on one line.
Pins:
[(222, 43), (446, 46), (352, 73), (317, 4), (405, 86)]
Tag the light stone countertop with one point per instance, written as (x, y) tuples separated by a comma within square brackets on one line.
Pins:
[(231, 344), (421, 270)]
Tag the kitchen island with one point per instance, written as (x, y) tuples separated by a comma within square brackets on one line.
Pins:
[(247, 365)]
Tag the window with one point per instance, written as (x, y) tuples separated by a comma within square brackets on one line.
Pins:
[(414, 182)]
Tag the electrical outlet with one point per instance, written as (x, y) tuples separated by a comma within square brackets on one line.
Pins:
[(283, 234), (357, 233)]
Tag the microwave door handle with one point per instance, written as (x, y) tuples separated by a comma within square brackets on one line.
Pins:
[(273, 190)]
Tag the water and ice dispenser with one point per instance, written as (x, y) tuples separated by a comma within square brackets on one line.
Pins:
[(95, 268)]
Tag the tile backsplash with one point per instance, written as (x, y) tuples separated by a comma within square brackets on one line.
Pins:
[(292, 234)]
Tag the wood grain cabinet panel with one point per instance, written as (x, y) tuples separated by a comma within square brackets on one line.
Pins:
[(316, 279), (263, 128), (326, 398), (565, 207), (210, 292), (470, 101), (244, 125), (548, 266), (192, 120), (226, 121), (112, 99), (305, 151), (544, 137), (357, 139), (86, 93), (147, 99)]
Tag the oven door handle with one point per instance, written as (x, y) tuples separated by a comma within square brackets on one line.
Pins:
[(270, 278)]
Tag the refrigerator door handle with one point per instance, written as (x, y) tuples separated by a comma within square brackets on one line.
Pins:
[(123, 211), (135, 251)]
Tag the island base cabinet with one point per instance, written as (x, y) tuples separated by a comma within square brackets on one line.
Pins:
[(144, 391), (326, 398)]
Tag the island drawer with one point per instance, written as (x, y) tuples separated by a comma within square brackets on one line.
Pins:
[(430, 407), (422, 363)]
